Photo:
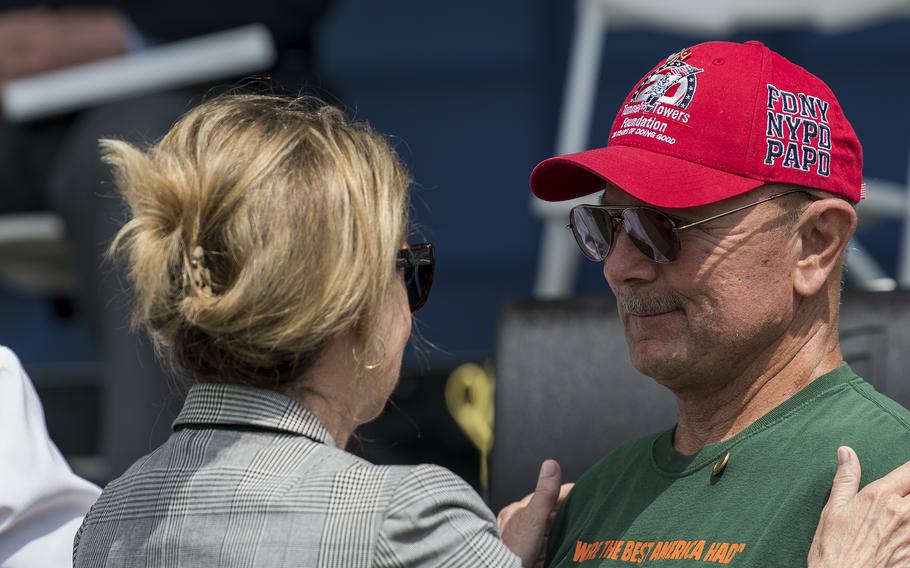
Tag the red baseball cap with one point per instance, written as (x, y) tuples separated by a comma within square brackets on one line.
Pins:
[(713, 121)]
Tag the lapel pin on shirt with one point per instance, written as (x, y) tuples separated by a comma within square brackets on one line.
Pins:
[(720, 464)]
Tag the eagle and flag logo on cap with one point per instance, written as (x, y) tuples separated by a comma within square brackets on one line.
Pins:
[(671, 84)]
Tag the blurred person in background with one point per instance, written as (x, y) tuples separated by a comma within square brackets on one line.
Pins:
[(53, 164), (266, 249)]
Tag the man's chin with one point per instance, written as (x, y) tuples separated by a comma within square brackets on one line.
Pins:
[(656, 359)]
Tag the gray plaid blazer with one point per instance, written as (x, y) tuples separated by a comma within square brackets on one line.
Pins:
[(251, 478)]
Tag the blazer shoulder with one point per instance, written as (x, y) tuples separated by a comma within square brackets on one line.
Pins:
[(435, 518)]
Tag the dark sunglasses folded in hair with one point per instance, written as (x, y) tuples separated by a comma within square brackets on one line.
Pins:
[(419, 263)]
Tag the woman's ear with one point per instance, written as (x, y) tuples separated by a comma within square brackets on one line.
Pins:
[(823, 233)]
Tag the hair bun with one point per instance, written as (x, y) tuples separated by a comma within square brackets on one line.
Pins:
[(261, 227)]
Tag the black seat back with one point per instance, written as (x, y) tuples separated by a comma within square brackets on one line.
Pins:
[(565, 389)]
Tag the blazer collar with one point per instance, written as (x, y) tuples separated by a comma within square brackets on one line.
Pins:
[(234, 405)]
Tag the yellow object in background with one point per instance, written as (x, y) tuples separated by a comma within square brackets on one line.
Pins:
[(469, 397)]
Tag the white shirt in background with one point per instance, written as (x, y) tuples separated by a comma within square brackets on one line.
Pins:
[(42, 501)]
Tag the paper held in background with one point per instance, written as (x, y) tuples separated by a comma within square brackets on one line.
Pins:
[(206, 58)]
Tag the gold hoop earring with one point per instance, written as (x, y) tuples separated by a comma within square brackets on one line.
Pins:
[(369, 366)]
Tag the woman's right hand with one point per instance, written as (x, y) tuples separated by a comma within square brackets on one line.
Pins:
[(863, 529), (525, 524)]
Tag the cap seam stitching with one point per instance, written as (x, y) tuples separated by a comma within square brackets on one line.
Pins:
[(764, 77)]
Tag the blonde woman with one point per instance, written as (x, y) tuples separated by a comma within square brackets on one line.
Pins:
[(265, 249)]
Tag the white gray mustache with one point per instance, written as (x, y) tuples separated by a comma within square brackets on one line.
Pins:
[(642, 305)]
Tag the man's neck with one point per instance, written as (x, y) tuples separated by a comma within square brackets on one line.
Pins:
[(710, 417)]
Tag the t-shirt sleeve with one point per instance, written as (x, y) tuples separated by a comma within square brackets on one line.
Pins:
[(878, 429), (436, 519)]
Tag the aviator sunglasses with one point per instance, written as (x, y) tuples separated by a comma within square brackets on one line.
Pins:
[(652, 231), (419, 263)]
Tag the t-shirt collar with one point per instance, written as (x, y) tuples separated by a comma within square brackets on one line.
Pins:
[(671, 463)]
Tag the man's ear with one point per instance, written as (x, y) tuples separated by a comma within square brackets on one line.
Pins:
[(823, 232)]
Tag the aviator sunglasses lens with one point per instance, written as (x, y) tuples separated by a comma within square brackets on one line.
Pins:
[(593, 231), (652, 233)]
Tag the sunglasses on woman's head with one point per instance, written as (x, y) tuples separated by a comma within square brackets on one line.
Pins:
[(419, 263), (652, 231)]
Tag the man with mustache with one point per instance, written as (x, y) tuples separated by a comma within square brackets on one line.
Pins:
[(726, 206)]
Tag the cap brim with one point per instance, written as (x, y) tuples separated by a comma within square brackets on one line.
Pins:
[(656, 179)]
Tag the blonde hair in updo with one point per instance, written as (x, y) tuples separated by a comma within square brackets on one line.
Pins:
[(293, 214)]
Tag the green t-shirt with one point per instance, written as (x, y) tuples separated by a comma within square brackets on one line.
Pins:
[(645, 504)]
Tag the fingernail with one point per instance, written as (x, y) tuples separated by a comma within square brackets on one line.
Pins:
[(843, 455), (548, 468)]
